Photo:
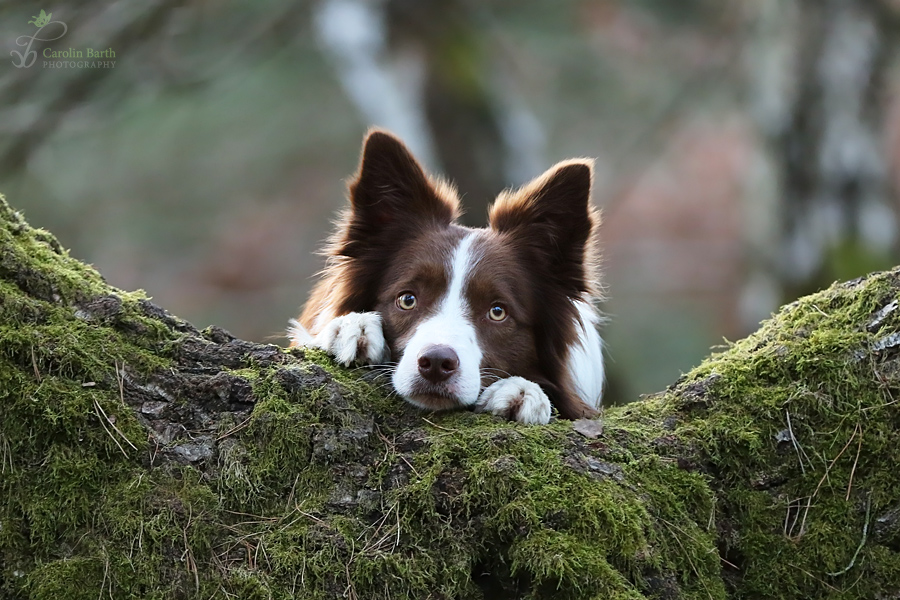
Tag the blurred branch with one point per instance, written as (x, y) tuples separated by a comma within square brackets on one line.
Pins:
[(119, 26)]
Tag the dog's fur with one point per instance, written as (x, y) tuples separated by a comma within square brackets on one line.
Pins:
[(535, 266)]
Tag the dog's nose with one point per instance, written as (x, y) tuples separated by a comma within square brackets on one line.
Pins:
[(437, 363)]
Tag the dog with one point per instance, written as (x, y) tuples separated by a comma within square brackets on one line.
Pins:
[(500, 319)]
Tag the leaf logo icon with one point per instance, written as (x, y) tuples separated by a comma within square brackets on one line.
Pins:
[(42, 19)]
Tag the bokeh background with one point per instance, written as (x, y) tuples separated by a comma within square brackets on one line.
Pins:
[(747, 150)]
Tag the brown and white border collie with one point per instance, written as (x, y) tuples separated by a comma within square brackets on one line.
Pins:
[(500, 319)]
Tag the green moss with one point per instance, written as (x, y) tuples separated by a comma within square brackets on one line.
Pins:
[(76, 578), (799, 510), (292, 503), (374, 397), (332, 488), (68, 441), (474, 494)]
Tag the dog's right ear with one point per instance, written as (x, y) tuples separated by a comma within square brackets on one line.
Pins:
[(391, 190)]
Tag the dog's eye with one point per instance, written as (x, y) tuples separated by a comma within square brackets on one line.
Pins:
[(406, 301), (497, 313)]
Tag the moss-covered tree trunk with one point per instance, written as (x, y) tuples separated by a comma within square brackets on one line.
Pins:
[(141, 458)]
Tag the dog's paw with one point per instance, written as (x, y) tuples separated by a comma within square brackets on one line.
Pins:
[(517, 399), (355, 337)]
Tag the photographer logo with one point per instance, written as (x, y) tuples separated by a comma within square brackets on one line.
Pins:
[(50, 31)]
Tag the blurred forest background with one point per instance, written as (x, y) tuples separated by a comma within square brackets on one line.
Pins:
[(747, 150)]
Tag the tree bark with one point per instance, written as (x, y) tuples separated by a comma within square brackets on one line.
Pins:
[(140, 457)]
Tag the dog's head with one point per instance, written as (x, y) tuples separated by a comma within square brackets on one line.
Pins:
[(464, 307)]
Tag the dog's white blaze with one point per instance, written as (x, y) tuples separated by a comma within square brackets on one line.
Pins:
[(450, 326), (585, 361)]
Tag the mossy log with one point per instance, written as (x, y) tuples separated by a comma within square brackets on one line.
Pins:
[(142, 458)]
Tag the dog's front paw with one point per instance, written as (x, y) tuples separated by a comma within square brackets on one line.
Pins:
[(355, 337), (517, 399)]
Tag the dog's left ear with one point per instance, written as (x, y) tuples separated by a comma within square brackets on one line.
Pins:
[(551, 219), (392, 188)]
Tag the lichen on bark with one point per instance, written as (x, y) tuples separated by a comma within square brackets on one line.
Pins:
[(140, 457)]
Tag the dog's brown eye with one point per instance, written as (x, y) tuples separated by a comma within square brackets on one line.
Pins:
[(406, 301), (497, 312)]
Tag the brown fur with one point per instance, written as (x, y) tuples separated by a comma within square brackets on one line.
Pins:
[(537, 256), (389, 192), (551, 227)]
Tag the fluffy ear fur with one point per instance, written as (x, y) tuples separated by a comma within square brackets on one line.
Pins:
[(551, 219), (551, 223), (391, 191), (391, 198)]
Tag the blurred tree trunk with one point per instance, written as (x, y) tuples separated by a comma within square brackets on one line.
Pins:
[(426, 70), (821, 206), (457, 99)]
